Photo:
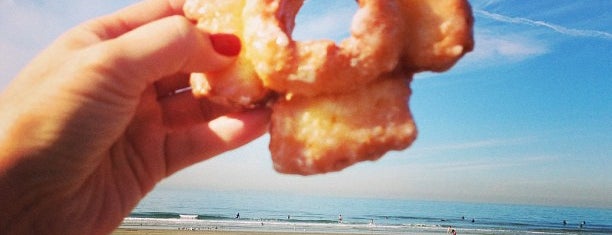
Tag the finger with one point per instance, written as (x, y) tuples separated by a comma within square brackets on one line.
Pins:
[(226, 44), (134, 16), (222, 134), (156, 50), (184, 110)]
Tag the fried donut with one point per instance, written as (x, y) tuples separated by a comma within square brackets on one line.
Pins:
[(337, 104), (314, 67), (326, 133), (237, 85), (436, 33)]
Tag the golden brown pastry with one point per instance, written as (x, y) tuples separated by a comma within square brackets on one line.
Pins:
[(330, 132), (337, 104)]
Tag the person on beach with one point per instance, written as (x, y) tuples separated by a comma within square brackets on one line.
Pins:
[(94, 122)]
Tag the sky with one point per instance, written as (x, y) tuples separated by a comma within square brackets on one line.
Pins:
[(525, 118)]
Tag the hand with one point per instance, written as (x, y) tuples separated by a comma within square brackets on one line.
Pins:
[(93, 123)]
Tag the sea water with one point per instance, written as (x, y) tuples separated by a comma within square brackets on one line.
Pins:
[(257, 211)]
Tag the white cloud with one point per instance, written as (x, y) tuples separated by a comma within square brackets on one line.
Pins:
[(557, 28), (478, 144), (497, 44), (494, 48), (492, 163)]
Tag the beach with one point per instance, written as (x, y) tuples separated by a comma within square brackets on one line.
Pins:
[(214, 212), (246, 226), (123, 231)]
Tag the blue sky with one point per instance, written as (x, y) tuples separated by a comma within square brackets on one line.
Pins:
[(526, 118)]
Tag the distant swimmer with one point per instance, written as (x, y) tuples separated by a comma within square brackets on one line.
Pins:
[(473, 220), (564, 222)]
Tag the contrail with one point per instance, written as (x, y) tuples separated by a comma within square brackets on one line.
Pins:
[(557, 28)]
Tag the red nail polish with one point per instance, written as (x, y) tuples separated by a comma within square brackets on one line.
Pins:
[(226, 44)]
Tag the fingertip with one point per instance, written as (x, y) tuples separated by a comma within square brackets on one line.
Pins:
[(226, 44), (215, 52)]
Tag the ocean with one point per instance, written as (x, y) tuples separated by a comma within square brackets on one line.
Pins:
[(280, 212)]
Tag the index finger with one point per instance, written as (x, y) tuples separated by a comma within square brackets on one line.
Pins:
[(134, 16)]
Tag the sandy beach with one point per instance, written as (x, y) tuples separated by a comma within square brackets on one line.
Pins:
[(205, 212), (125, 231), (122, 231), (149, 226)]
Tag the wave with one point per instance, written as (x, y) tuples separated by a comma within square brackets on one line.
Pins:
[(356, 223), (174, 215), (156, 215)]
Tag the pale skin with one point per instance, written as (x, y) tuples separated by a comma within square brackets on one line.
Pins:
[(92, 124)]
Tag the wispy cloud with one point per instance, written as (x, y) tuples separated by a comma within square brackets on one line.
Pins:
[(479, 144), (494, 48), (494, 163), (557, 28)]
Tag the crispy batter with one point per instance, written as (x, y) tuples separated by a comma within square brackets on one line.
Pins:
[(436, 33), (340, 103), (327, 133), (321, 66), (239, 84)]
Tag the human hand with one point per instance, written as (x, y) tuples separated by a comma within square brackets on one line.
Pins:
[(93, 123)]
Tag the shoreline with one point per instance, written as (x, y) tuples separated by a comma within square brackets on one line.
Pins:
[(142, 231), (158, 231), (132, 226)]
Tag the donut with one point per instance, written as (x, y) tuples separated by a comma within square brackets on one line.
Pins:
[(333, 104), (238, 85), (436, 34), (321, 66), (326, 133)]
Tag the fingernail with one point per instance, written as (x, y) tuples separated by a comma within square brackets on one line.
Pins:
[(226, 44)]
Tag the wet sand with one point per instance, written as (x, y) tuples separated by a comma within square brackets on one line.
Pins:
[(129, 231), (124, 231)]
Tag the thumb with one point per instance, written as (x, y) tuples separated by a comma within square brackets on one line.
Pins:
[(166, 47)]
